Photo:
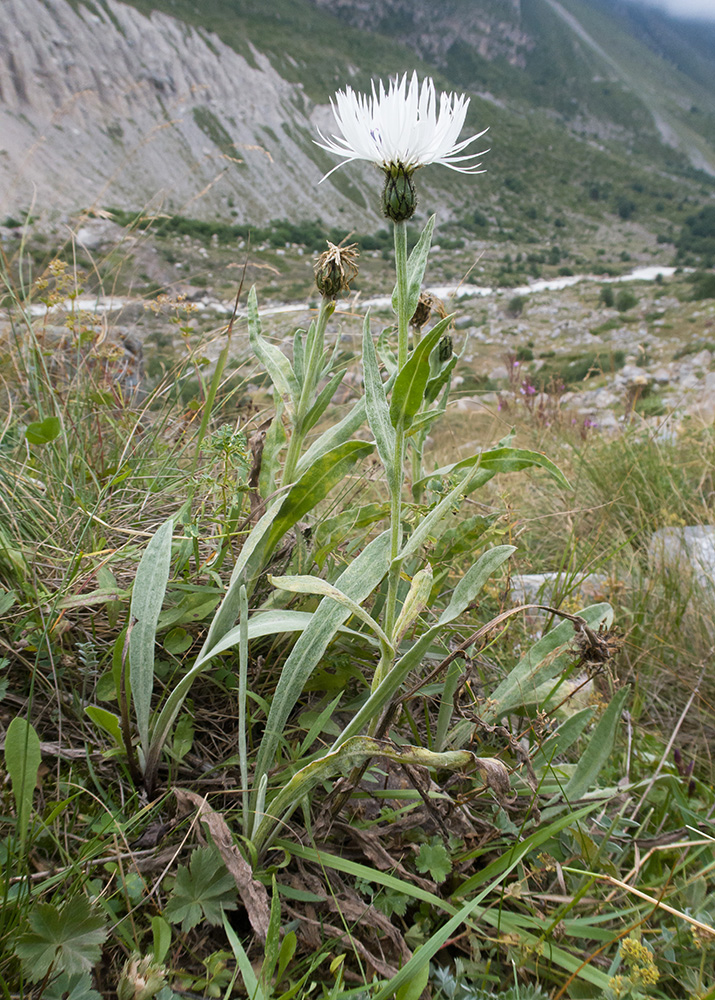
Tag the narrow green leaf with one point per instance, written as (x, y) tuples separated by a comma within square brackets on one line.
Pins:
[(598, 750), (416, 264), (275, 362), (335, 435), (563, 738), (408, 391), (22, 761), (314, 585), (473, 581), (378, 413), (502, 460), (147, 598), (313, 486), (7, 600), (161, 938), (322, 402), (435, 384), (250, 980)]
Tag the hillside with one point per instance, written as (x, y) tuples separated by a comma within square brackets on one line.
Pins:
[(210, 111)]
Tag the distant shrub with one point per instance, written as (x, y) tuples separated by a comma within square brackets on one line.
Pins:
[(569, 369), (516, 305), (625, 207), (703, 285), (698, 235), (625, 300), (607, 297), (524, 354), (565, 272)]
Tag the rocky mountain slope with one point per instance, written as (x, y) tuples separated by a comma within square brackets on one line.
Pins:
[(210, 110)]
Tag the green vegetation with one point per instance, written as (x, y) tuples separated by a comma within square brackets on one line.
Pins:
[(220, 614), (567, 370)]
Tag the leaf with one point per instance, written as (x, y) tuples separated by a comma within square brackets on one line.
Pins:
[(434, 385), (598, 750), (378, 412), (416, 264), (473, 581), (502, 460), (544, 660), (64, 987), (107, 721), (321, 403), (64, 940), (22, 760), (408, 391), (314, 585), (43, 431), (7, 600), (147, 598), (434, 858), (161, 938), (274, 361), (204, 889), (313, 486)]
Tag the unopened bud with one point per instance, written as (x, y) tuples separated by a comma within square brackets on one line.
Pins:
[(399, 198), (335, 269)]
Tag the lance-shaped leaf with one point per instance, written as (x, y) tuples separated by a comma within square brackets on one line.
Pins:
[(147, 598), (357, 581), (22, 760), (378, 413), (435, 384), (598, 749), (274, 361), (313, 487), (408, 391), (355, 752), (322, 402), (306, 584), (416, 264), (501, 460)]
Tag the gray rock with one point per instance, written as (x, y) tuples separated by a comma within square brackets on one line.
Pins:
[(689, 550)]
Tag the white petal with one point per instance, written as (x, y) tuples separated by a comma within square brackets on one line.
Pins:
[(401, 125)]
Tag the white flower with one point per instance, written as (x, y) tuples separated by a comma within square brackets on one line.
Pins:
[(401, 127)]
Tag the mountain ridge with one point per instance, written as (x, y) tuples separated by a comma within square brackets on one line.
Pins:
[(212, 111)]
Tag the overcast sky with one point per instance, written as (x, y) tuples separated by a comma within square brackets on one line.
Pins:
[(687, 8)]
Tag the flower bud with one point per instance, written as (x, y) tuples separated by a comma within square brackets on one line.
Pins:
[(399, 199), (335, 269)]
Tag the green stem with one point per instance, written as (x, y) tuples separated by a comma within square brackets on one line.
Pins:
[(403, 321), (311, 377)]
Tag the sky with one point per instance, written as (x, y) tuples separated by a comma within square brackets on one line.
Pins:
[(687, 8)]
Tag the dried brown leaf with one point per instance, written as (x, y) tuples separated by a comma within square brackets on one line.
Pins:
[(253, 893)]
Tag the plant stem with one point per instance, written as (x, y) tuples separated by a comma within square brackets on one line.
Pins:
[(403, 321), (393, 580), (315, 345)]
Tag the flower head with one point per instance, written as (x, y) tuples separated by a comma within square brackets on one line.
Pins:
[(335, 268), (402, 128)]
